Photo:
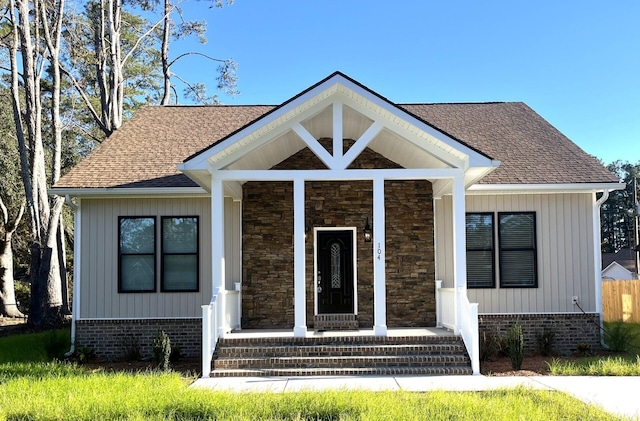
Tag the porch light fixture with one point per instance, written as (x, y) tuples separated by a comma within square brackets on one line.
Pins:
[(367, 232)]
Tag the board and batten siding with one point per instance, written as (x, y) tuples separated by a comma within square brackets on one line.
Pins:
[(99, 297), (564, 235)]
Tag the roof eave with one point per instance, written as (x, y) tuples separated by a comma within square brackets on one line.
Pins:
[(544, 188), (102, 192)]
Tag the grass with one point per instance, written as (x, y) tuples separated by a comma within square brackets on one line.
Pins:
[(50, 391), (630, 334), (597, 366), (30, 347), (33, 387)]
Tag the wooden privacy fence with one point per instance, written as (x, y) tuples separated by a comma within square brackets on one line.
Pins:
[(621, 301)]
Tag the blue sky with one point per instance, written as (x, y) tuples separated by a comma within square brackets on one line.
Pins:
[(577, 63)]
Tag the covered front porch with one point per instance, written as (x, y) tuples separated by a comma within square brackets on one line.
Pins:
[(336, 137)]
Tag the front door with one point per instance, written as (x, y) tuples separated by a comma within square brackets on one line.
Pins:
[(335, 272)]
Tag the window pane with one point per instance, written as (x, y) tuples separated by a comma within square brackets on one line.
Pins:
[(517, 268), (518, 250), (336, 282), (136, 235), (137, 273), (480, 269), (180, 235), (479, 231), (480, 250), (516, 231), (180, 272)]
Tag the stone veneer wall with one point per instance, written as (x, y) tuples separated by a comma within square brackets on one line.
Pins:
[(111, 338), (570, 329), (267, 288)]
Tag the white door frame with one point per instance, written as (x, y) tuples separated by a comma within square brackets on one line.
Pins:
[(354, 231)]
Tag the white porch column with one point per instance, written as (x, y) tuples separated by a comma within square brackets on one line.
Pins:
[(459, 244), (217, 250), (300, 307), (379, 288)]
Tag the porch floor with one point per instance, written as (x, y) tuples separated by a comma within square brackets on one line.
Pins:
[(288, 333)]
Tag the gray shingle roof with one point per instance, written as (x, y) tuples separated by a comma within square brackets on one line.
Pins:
[(144, 151)]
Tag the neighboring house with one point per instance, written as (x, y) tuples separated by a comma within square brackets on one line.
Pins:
[(337, 201), (620, 265)]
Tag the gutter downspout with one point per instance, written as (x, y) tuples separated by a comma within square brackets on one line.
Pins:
[(76, 271), (597, 257)]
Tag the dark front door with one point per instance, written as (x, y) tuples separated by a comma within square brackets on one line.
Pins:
[(335, 272)]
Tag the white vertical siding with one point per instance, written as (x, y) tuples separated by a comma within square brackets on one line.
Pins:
[(99, 269), (564, 225)]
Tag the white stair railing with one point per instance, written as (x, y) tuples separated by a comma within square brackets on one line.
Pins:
[(464, 321), (469, 329), (210, 333)]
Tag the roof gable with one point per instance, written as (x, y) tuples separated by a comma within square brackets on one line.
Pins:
[(334, 96)]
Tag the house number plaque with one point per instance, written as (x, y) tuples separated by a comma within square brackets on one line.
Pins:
[(379, 251)]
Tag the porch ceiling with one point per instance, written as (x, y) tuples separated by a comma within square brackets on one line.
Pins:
[(386, 143)]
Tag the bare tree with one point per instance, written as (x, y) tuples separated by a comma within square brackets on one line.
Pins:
[(8, 304), (30, 20)]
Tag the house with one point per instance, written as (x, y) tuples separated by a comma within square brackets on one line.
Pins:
[(620, 265), (336, 206)]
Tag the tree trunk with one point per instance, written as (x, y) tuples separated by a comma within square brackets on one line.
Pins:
[(164, 51), (8, 304)]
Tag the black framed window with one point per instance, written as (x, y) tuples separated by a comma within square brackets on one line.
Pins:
[(180, 253), (518, 255), (480, 250), (136, 254)]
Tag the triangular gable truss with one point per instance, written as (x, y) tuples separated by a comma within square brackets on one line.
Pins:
[(336, 93)]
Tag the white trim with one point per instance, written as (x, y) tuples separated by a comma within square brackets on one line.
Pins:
[(315, 265), (338, 175), (218, 271), (299, 256), (542, 188), (77, 269), (597, 256), (379, 260), (545, 313), (459, 246), (620, 266), (362, 142), (99, 319), (314, 145), (128, 191)]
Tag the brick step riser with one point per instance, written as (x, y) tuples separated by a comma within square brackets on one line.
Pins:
[(352, 341), (427, 371), (257, 352), (359, 362)]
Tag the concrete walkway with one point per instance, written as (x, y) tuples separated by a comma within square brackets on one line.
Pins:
[(618, 395)]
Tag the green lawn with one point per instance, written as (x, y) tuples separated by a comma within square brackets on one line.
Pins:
[(45, 390), (31, 347), (49, 391)]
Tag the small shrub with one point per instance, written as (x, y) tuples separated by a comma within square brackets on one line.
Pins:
[(583, 349), (82, 354), (515, 340), (162, 350), (619, 336), (57, 343), (131, 348), (545, 341), (490, 345)]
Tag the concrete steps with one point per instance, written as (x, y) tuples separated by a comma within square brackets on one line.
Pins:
[(346, 355)]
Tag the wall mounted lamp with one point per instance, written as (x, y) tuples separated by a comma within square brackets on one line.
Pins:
[(367, 232)]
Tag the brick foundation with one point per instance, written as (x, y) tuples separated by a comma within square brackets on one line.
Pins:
[(570, 329), (111, 338)]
